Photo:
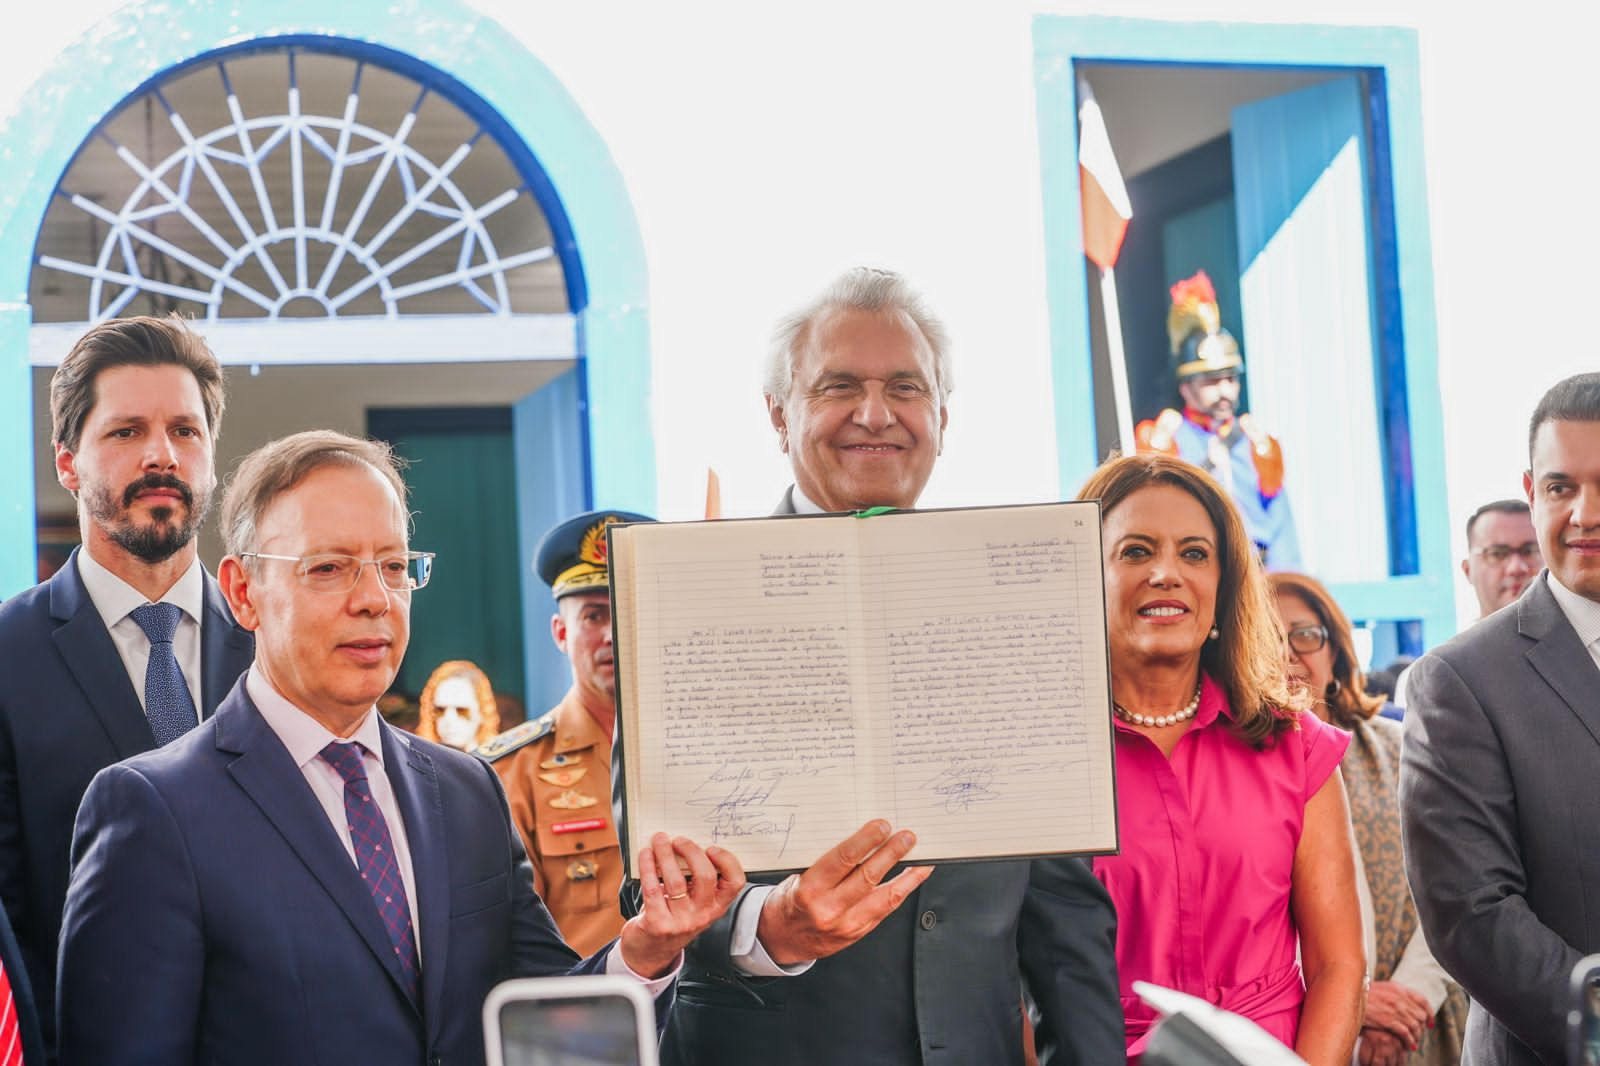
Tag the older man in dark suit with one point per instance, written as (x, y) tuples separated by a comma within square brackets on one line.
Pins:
[(130, 644), (923, 969), (1500, 776), (296, 881)]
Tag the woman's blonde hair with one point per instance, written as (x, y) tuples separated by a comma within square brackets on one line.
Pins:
[(1246, 659), (489, 714), (1351, 701)]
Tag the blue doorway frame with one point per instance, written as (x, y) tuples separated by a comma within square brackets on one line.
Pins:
[(145, 39), (1426, 595)]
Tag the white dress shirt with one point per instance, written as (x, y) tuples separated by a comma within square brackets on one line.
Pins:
[(1582, 612), (305, 738), (116, 600), (804, 504), (748, 953)]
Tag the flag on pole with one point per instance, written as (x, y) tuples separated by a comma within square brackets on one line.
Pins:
[(713, 494), (1106, 209)]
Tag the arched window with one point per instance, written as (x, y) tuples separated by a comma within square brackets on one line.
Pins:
[(292, 183), (512, 271), (319, 200)]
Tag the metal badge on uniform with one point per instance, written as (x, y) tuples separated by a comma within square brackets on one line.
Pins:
[(565, 778), (582, 870), (559, 760), (572, 800)]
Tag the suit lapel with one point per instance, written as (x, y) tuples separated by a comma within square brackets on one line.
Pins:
[(225, 649), (92, 657), (269, 776), (1559, 656), (416, 792)]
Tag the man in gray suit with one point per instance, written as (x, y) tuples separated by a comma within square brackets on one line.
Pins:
[(856, 389), (1500, 776)]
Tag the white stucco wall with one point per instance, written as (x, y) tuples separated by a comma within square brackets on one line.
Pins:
[(765, 151)]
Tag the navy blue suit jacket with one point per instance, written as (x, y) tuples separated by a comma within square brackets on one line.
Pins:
[(21, 995), (215, 917), (67, 710)]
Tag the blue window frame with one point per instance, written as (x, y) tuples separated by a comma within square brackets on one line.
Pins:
[(1414, 601)]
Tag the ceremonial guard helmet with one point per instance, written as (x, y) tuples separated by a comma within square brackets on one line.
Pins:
[(1200, 346)]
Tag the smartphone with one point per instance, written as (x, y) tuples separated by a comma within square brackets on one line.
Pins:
[(1583, 1013), (570, 1021)]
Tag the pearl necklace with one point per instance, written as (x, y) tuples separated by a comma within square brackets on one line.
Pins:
[(1164, 720)]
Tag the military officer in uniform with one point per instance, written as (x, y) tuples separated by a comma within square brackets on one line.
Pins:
[(1211, 433), (557, 767)]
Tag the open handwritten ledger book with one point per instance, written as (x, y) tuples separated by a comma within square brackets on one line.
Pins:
[(781, 681)]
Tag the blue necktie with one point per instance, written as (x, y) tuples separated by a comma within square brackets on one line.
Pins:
[(375, 856), (167, 702)]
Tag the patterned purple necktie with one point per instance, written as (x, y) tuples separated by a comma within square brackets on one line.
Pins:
[(167, 702), (375, 856)]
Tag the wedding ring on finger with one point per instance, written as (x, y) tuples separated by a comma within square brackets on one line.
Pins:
[(680, 895)]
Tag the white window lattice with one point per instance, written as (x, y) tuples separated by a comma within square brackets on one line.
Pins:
[(394, 203)]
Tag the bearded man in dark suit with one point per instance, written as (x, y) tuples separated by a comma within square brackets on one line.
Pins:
[(131, 643)]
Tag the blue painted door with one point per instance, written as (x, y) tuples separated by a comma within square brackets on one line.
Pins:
[(1301, 164), (547, 439)]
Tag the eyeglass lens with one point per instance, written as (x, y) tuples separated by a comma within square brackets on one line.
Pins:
[(340, 572), (1308, 638), (1499, 553)]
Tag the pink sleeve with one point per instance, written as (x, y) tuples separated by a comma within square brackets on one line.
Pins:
[(1324, 746)]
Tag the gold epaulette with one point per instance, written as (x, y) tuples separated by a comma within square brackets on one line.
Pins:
[(518, 737)]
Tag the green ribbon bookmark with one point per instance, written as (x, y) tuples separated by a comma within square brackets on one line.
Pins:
[(873, 512)]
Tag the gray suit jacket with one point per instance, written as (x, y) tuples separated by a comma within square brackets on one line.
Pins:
[(1500, 806)]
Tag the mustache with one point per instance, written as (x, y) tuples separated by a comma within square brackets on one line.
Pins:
[(159, 481)]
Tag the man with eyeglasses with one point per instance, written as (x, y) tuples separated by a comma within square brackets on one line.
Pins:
[(130, 644), (1502, 553), (298, 881), (1502, 559)]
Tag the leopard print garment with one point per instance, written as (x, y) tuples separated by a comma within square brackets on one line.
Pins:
[(1371, 770)]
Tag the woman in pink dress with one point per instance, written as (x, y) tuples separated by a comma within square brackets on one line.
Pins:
[(1235, 881)]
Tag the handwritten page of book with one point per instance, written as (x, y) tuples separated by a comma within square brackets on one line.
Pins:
[(782, 681)]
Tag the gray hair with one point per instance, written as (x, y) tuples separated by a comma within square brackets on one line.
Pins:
[(860, 289), (275, 468)]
